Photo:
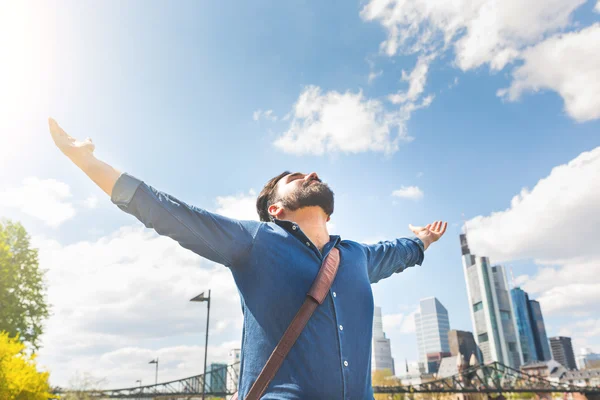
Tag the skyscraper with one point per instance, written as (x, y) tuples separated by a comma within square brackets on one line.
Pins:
[(562, 351), (234, 372), (432, 326), (463, 342), (520, 301), (381, 350), (539, 331), (218, 377), (494, 326)]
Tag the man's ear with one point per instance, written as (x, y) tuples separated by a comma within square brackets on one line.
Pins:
[(275, 210)]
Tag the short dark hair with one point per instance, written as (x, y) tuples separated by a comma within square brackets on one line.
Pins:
[(268, 196)]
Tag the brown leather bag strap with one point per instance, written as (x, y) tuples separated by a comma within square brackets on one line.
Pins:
[(315, 296)]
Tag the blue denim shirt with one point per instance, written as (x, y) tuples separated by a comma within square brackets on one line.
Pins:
[(273, 265)]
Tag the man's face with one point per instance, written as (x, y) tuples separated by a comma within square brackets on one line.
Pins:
[(298, 190)]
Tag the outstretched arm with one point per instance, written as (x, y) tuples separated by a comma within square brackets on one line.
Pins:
[(393, 256), (82, 155), (218, 238)]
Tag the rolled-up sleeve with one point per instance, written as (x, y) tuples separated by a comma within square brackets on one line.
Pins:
[(215, 237), (393, 256)]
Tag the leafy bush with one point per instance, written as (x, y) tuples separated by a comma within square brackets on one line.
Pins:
[(19, 377)]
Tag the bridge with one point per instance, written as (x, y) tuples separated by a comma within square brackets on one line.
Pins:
[(492, 379)]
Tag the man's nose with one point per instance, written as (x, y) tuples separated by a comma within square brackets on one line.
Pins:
[(311, 176)]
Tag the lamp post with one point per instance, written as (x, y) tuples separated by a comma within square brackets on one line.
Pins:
[(139, 381), (156, 376), (201, 298)]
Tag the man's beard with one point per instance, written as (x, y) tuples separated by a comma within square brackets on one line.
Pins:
[(311, 193)]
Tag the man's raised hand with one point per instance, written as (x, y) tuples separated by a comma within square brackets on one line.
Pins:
[(70, 146), (82, 155), (429, 233)]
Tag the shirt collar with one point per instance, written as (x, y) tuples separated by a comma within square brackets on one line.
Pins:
[(293, 227)]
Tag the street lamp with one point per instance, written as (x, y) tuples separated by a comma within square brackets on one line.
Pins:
[(139, 381), (156, 376), (201, 298)]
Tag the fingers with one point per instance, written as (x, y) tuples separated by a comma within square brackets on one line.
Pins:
[(55, 129), (444, 228), (439, 226)]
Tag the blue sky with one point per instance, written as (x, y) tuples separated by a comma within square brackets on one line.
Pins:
[(208, 100)]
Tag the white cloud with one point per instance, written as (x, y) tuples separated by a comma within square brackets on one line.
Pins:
[(496, 33), (408, 192), (400, 322), (481, 31), (268, 115), (125, 297), (554, 224), (597, 8), (91, 202), (374, 75), (340, 122), (589, 327), (241, 206), (568, 64), (416, 81), (47, 200), (565, 201)]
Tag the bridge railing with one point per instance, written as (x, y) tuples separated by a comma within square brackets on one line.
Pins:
[(489, 378)]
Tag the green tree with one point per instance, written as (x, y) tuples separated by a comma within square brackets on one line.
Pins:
[(23, 307), (385, 378), (19, 378)]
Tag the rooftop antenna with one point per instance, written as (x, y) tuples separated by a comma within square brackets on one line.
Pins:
[(512, 278)]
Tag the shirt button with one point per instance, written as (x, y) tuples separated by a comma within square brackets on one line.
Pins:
[(334, 294), (308, 243), (345, 363), (294, 227), (341, 328)]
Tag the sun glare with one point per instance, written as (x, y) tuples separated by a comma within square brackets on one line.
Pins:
[(25, 73)]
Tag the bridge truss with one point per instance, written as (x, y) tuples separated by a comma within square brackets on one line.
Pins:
[(493, 378)]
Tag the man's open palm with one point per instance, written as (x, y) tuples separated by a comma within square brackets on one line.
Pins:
[(429, 233), (70, 146)]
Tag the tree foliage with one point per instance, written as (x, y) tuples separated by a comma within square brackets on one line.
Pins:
[(23, 307), (384, 377), (19, 377)]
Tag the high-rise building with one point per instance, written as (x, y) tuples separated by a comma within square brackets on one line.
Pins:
[(542, 345), (218, 378), (432, 326), (520, 300), (562, 351), (494, 326), (463, 342), (434, 360), (234, 371), (381, 350)]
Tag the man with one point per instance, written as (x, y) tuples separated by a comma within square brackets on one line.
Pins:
[(274, 263)]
